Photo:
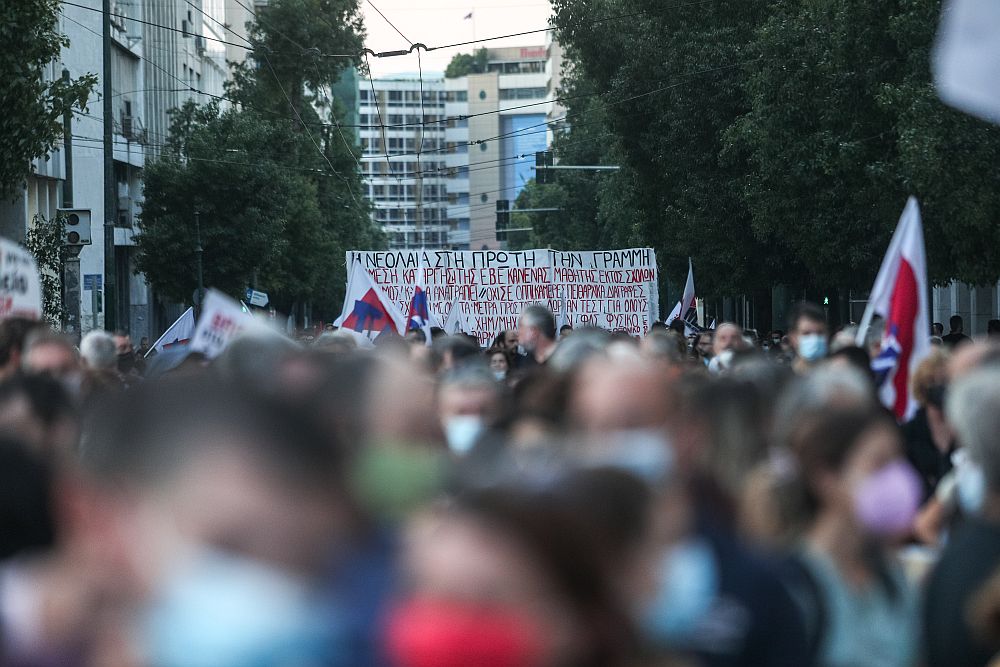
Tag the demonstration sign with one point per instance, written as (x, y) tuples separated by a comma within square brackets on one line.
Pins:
[(20, 284), (613, 289), (222, 321)]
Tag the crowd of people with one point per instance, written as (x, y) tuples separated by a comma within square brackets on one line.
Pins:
[(566, 498)]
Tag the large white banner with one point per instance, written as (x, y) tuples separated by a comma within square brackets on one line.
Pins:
[(20, 283), (611, 289)]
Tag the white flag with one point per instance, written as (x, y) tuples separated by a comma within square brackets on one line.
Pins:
[(966, 60), (900, 297), (688, 301), (368, 313), (455, 322), (178, 333)]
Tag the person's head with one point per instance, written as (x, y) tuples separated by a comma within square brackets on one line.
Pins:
[(851, 465), (38, 411), (937, 329), (468, 401), (620, 394), (143, 343), (500, 362), (536, 328), (807, 331), (13, 331), (930, 377), (703, 345), (677, 324), (565, 331), (241, 473), (956, 324), (49, 353), (504, 577), (123, 342), (973, 409), (98, 350), (727, 337), (454, 352)]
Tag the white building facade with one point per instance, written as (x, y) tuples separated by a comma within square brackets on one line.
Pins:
[(403, 158)]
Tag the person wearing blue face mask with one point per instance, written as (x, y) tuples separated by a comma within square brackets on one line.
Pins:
[(808, 335), (972, 554)]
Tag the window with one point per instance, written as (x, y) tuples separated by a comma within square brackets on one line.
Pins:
[(523, 93), (457, 96)]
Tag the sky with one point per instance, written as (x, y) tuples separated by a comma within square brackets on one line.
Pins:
[(436, 22)]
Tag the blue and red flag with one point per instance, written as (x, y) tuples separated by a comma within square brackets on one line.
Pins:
[(367, 312)]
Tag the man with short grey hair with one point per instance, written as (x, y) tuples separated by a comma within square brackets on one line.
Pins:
[(973, 550), (98, 351), (536, 332)]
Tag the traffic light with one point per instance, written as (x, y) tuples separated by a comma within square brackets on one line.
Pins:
[(543, 176), (76, 226), (503, 218)]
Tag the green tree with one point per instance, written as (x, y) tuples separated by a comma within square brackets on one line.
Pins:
[(30, 123), (254, 201), (44, 240), (463, 64), (277, 178)]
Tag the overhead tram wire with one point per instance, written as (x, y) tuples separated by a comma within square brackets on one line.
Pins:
[(295, 111), (378, 111)]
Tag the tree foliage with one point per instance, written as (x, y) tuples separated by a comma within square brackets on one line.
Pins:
[(276, 180), (773, 141), (30, 123), (44, 240), (463, 64)]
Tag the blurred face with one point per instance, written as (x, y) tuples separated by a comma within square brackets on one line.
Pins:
[(123, 344), (510, 339), (874, 449), (704, 345), (498, 362), (527, 336), (455, 401), (457, 559), (628, 394), (727, 337), (806, 327), (58, 361)]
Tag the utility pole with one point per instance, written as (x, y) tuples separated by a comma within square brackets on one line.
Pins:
[(110, 200), (71, 265)]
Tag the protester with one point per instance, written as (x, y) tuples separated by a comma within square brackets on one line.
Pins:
[(600, 500), (858, 496), (536, 333), (807, 334), (955, 336), (972, 554)]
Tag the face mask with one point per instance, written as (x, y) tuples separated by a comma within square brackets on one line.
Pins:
[(812, 347), (218, 610), (500, 375), (392, 479), (461, 433), (886, 502), (522, 350), (451, 634), (970, 484), (775, 342), (688, 584), (645, 453)]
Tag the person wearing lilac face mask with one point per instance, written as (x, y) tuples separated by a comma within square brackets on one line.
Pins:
[(859, 497)]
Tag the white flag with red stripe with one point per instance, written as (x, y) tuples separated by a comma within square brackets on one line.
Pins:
[(686, 308), (900, 297)]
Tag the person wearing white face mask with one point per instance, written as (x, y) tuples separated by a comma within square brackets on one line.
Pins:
[(972, 554), (468, 400), (808, 335)]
